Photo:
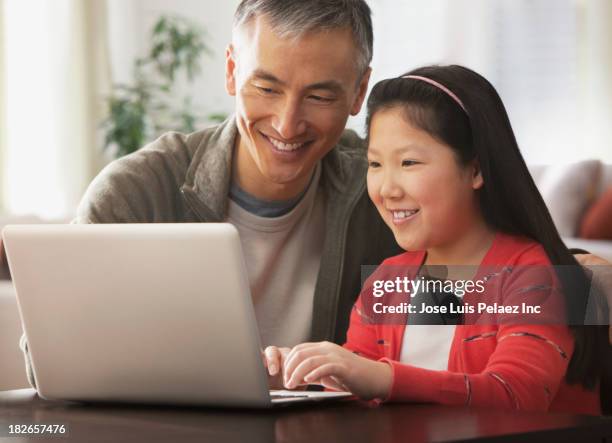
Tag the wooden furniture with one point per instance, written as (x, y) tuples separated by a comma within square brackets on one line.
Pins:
[(348, 421)]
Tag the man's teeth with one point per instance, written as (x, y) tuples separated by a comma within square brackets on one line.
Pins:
[(285, 146), (404, 214)]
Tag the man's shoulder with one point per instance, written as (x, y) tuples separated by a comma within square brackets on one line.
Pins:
[(169, 147), (145, 185), (172, 149), (351, 141), (347, 158), (166, 159)]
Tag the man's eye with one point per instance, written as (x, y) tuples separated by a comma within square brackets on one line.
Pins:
[(409, 163), (265, 90), (320, 99), (373, 164)]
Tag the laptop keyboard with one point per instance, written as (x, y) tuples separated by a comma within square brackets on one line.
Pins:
[(296, 395)]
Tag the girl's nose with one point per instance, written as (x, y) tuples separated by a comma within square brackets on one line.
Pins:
[(390, 187)]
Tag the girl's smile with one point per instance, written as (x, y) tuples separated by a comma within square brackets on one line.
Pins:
[(401, 216), (420, 188)]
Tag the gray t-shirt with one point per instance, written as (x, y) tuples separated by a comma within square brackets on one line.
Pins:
[(283, 256)]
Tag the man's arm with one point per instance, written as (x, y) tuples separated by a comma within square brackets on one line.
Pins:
[(602, 278), (142, 187)]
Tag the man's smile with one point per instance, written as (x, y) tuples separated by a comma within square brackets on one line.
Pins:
[(284, 147)]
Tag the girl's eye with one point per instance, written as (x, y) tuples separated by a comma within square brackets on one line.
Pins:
[(409, 162), (373, 164)]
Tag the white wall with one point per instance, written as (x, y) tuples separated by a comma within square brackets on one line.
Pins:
[(596, 70), (131, 21), (47, 149), (551, 60), (405, 37), (529, 50), (2, 107)]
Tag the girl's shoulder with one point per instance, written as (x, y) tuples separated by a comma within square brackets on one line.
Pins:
[(508, 249), (414, 258)]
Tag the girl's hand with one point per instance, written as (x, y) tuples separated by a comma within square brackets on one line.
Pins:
[(337, 368), (274, 360)]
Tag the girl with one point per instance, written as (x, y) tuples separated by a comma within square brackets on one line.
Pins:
[(446, 175)]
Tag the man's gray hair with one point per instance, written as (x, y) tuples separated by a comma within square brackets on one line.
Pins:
[(293, 18)]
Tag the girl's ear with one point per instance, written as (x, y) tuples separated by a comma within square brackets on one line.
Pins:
[(477, 180)]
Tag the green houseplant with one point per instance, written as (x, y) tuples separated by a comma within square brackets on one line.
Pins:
[(138, 112)]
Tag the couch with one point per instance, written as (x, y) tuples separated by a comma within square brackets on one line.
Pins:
[(569, 190)]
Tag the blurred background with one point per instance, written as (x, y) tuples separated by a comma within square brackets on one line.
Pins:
[(64, 64)]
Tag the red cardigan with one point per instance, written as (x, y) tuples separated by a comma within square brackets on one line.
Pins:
[(514, 366)]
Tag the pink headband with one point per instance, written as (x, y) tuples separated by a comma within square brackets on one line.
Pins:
[(439, 86)]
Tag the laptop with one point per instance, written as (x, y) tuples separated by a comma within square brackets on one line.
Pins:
[(141, 313)]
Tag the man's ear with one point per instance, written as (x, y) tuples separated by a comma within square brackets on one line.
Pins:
[(362, 89), (477, 180), (230, 70)]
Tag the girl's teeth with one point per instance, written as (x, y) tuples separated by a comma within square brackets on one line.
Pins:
[(403, 214)]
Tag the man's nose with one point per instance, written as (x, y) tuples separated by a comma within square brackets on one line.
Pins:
[(290, 122)]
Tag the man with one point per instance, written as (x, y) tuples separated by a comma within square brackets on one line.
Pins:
[(281, 169)]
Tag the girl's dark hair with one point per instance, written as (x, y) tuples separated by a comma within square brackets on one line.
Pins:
[(509, 200)]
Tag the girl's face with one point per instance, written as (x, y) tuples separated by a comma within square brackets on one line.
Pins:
[(421, 191)]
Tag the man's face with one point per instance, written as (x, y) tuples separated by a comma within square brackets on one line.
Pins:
[(293, 97)]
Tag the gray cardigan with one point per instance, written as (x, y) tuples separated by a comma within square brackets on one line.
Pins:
[(182, 179)]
